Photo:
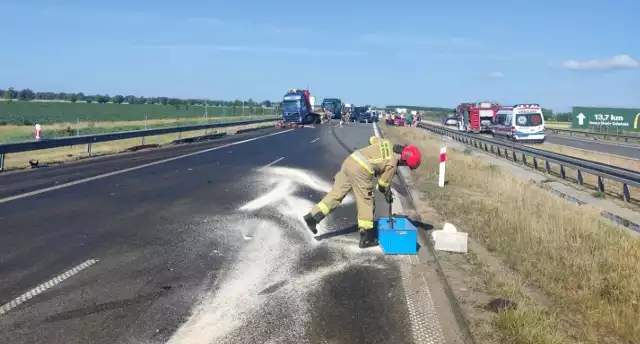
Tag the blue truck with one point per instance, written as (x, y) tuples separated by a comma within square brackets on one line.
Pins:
[(334, 104), (297, 108)]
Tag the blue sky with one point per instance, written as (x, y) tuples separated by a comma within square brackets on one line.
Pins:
[(556, 53)]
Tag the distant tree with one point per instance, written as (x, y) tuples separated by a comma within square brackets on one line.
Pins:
[(2, 93), (142, 100), (26, 95), (88, 99), (10, 93), (73, 97), (81, 96), (131, 99)]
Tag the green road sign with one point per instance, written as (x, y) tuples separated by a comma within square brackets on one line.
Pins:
[(606, 119)]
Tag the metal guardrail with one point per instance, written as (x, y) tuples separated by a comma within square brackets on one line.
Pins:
[(25, 146), (602, 171), (626, 138)]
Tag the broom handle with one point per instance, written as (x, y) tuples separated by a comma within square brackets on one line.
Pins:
[(390, 217)]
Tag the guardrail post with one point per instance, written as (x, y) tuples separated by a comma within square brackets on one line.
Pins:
[(1, 162), (143, 139), (515, 158), (535, 163), (563, 173), (580, 179), (524, 159), (89, 148), (625, 192), (600, 184), (547, 166)]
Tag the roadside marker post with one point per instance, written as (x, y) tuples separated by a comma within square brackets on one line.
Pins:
[(443, 160), (38, 131)]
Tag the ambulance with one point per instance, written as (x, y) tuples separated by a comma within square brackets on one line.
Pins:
[(520, 123)]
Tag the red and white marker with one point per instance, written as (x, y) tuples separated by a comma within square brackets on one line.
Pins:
[(38, 131), (443, 160)]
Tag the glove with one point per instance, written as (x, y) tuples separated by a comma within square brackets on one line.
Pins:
[(388, 196), (382, 189)]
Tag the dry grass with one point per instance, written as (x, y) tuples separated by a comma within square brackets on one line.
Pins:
[(63, 154), (28, 129), (585, 265), (559, 125)]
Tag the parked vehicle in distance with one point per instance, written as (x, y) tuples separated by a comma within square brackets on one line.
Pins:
[(450, 120), (520, 123)]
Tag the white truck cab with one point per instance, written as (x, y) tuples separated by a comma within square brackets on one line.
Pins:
[(520, 122)]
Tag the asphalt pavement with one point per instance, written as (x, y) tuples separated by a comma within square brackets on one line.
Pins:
[(628, 150), (202, 243)]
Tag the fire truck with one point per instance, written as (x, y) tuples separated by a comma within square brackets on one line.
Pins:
[(476, 117), (297, 109)]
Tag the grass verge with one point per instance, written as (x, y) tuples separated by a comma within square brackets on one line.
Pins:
[(10, 133), (63, 154), (586, 267)]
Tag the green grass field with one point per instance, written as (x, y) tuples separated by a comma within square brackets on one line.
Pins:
[(30, 113)]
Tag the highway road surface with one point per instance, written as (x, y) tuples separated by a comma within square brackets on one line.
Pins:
[(629, 150), (204, 243)]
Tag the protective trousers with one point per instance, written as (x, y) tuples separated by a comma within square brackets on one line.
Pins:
[(350, 177)]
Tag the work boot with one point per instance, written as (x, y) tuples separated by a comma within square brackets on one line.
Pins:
[(368, 238), (312, 221)]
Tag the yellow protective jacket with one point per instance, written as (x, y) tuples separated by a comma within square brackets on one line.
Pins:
[(378, 160)]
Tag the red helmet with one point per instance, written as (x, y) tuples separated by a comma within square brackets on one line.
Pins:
[(411, 155)]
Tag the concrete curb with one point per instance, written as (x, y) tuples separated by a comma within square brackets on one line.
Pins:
[(426, 253)]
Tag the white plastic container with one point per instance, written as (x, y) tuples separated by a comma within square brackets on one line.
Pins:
[(449, 239)]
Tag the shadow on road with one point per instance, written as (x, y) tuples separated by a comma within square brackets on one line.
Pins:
[(345, 231)]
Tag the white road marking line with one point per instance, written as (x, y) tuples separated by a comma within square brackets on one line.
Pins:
[(315, 140), (105, 175), (270, 164), (44, 286)]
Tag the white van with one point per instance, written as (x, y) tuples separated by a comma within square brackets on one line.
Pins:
[(521, 123)]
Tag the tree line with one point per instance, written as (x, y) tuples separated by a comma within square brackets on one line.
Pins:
[(29, 95)]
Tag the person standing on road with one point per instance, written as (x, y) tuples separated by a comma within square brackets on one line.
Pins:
[(408, 120), (416, 120), (380, 159)]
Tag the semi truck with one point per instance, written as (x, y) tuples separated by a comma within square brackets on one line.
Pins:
[(476, 117), (333, 104), (297, 108)]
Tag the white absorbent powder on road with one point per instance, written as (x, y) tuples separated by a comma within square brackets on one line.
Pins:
[(262, 298)]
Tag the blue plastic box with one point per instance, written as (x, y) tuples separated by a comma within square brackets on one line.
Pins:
[(401, 239)]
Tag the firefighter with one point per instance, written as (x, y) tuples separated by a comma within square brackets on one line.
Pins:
[(380, 158)]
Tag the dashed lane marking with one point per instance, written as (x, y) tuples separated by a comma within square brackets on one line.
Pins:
[(315, 140), (105, 175), (270, 164), (44, 286)]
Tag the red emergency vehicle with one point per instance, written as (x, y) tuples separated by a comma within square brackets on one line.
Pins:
[(477, 117)]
